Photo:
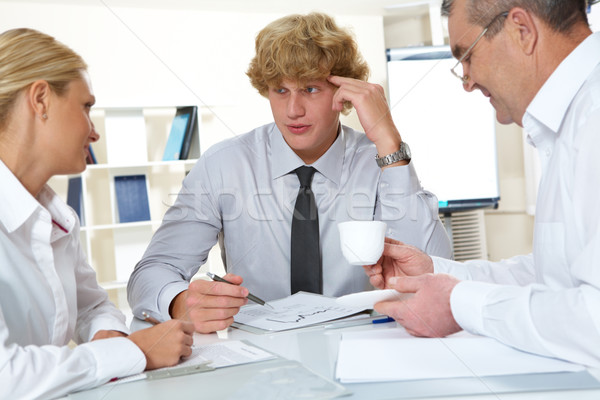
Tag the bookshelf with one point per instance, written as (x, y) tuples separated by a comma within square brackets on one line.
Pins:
[(131, 146)]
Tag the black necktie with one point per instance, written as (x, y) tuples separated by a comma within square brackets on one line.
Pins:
[(306, 257)]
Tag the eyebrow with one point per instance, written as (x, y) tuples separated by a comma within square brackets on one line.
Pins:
[(458, 51)]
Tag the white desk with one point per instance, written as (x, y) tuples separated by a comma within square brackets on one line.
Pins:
[(316, 348)]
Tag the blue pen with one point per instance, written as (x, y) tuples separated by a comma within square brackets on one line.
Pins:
[(383, 320)]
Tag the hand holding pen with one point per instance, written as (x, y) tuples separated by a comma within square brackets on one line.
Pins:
[(250, 296), (210, 305)]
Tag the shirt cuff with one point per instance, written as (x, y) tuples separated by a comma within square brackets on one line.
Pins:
[(115, 358), (107, 323), (400, 176), (167, 295), (455, 268), (467, 301)]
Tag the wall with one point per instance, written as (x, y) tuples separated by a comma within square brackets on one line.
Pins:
[(154, 56), (161, 57)]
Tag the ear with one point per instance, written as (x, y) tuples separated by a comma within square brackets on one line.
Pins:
[(523, 29), (38, 97)]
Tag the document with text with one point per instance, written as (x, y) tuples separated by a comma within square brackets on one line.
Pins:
[(207, 357), (296, 311)]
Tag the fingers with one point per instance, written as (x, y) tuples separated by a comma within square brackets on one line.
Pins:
[(177, 334), (235, 279), (397, 250), (211, 320), (164, 344), (407, 284), (354, 91), (215, 295), (375, 274), (354, 84), (396, 308), (374, 269), (212, 305), (188, 328), (427, 310), (377, 281), (392, 241), (389, 308)]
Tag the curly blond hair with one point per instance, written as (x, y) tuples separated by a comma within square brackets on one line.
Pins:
[(304, 48)]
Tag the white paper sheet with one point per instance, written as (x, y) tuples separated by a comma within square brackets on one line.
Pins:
[(216, 355), (296, 311), (392, 355), (226, 354)]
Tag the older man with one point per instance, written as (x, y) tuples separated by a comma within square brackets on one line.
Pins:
[(539, 64)]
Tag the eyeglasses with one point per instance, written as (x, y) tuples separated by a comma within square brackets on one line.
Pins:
[(457, 69)]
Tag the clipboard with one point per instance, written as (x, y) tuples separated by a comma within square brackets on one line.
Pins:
[(179, 371)]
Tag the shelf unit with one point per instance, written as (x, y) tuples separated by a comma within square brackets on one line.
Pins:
[(114, 248)]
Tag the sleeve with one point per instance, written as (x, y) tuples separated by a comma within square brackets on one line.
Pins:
[(53, 371), (518, 270), (548, 319), (179, 247), (534, 318), (502, 300), (410, 212), (94, 310)]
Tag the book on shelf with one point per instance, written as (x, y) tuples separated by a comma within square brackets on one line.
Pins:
[(75, 198), (191, 131), (183, 130), (91, 158), (132, 198)]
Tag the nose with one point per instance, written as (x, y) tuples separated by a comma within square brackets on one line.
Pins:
[(469, 84), (295, 105), (94, 135)]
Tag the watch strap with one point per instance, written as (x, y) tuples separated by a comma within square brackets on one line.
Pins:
[(402, 154)]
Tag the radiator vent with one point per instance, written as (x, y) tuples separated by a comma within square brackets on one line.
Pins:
[(467, 234)]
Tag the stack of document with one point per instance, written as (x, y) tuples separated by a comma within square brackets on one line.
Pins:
[(394, 355)]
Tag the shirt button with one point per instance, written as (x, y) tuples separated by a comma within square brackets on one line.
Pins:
[(548, 152)]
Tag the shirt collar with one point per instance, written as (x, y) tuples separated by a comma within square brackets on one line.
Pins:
[(550, 104), (63, 217), (284, 160), (18, 205)]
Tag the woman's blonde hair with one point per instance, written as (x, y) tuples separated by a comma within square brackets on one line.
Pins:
[(304, 48), (26, 56)]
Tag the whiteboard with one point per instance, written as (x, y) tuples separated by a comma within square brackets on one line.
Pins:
[(451, 132)]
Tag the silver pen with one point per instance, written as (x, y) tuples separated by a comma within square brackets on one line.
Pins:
[(250, 295)]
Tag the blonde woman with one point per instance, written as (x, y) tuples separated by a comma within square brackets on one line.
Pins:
[(48, 293)]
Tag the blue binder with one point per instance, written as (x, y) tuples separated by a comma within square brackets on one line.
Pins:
[(132, 198), (176, 137), (74, 197), (183, 128)]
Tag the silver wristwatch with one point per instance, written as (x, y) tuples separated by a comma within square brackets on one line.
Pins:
[(402, 154)]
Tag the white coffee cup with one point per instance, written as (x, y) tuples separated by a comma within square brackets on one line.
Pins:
[(362, 241)]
